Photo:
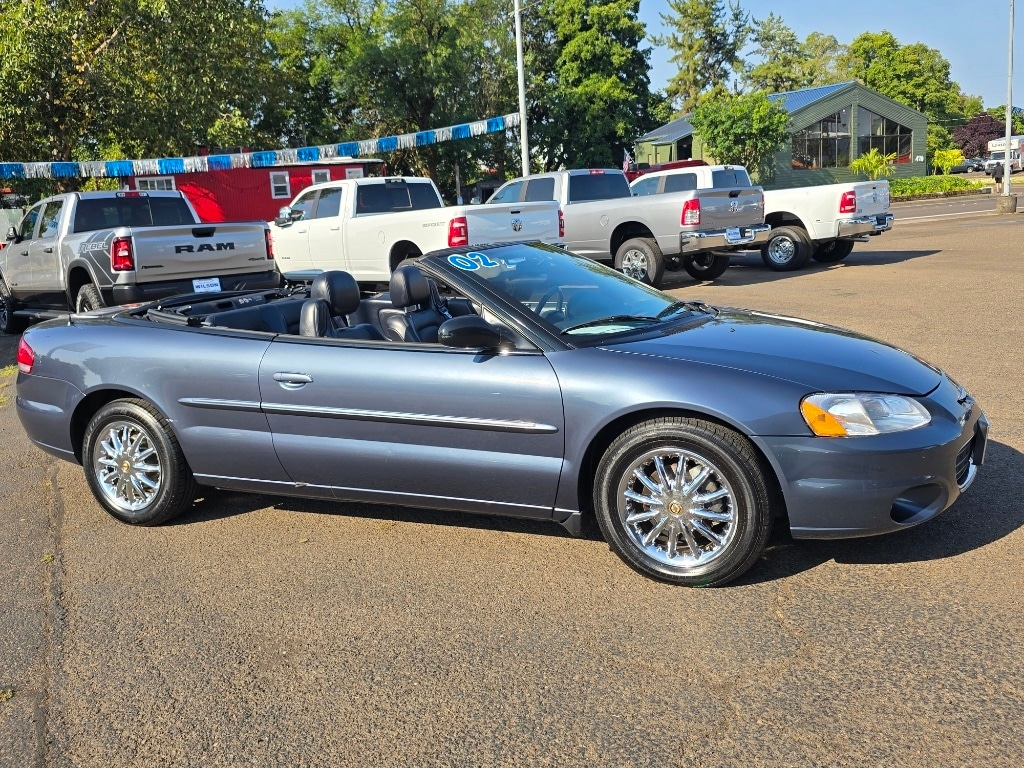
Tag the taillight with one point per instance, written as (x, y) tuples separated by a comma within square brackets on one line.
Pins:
[(270, 244), (26, 356), (121, 257), (458, 232), (691, 212), (561, 223), (848, 202)]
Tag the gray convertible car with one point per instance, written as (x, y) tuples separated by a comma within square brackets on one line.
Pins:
[(509, 380)]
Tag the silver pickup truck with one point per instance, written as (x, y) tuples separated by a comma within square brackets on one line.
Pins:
[(691, 229), (84, 250)]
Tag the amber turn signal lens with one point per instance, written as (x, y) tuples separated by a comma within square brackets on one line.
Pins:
[(821, 422)]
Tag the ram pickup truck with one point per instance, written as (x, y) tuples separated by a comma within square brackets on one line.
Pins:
[(686, 228), (821, 222), (85, 250), (368, 226)]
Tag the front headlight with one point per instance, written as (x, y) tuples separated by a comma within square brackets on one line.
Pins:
[(830, 414)]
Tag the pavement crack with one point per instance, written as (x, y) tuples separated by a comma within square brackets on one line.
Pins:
[(55, 616)]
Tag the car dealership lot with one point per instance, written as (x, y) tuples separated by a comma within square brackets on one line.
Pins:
[(260, 631)]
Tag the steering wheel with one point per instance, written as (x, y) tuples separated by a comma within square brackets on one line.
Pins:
[(551, 292)]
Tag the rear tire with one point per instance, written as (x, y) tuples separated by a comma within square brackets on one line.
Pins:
[(641, 259), (9, 324), (829, 253), (706, 266), (787, 249), (88, 298), (134, 465)]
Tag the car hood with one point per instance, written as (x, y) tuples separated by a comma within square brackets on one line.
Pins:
[(820, 357)]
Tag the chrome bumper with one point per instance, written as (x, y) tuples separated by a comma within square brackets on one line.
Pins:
[(723, 239), (865, 225)]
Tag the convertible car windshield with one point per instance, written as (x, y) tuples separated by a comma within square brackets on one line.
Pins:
[(574, 294)]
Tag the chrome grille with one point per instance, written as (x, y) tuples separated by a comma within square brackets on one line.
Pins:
[(963, 463)]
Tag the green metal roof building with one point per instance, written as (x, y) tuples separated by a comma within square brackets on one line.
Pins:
[(831, 124)]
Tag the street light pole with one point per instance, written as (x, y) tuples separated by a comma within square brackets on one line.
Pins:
[(1009, 111), (524, 140)]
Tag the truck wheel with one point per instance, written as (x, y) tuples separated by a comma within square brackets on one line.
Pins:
[(9, 324), (641, 259), (788, 249), (706, 266), (829, 253), (88, 298)]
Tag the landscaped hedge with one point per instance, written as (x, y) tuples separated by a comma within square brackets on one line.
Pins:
[(932, 185)]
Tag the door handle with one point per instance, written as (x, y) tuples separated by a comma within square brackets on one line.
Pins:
[(24, 253), (335, 229), (48, 250), (292, 380)]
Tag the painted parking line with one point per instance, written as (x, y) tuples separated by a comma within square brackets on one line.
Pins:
[(944, 215)]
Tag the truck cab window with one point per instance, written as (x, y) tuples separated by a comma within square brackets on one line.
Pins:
[(50, 219), (539, 190), (329, 204), (28, 224), (304, 204), (508, 194), (681, 182)]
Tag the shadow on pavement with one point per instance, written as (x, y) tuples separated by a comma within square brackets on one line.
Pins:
[(9, 350), (748, 269), (986, 513)]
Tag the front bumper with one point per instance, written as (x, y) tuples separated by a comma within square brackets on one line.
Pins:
[(723, 239), (865, 225), (862, 486), (138, 293)]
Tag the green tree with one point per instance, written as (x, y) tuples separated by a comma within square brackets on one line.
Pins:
[(589, 88), (874, 164), (742, 129), (822, 57), (705, 39), (783, 64), (947, 158)]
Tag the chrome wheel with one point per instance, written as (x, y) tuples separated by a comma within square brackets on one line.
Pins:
[(634, 264), (126, 466), (781, 250), (677, 508)]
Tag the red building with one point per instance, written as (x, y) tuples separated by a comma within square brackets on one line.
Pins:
[(252, 194)]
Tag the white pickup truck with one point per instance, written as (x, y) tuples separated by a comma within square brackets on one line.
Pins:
[(85, 250), (368, 226), (685, 228), (821, 222)]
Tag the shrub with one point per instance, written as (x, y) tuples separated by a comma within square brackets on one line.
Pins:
[(932, 185)]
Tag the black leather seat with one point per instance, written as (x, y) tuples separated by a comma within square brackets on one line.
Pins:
[(334, 296), (413, 316)]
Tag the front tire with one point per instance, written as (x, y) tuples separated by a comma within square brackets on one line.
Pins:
[(683, 500), (9, 324), (88, 298), (787, 249), (706, 266), (134, 465), (830, 253), (641, 259)]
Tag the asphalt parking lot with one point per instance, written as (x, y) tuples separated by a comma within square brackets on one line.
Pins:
[(278, 632)]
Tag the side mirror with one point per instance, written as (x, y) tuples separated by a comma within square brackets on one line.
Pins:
[(12, 234), (283, 216), (472, 332)]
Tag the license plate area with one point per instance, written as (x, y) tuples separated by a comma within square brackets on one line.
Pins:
[(206, 285)]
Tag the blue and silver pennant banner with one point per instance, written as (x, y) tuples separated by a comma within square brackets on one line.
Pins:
[(170, 165)]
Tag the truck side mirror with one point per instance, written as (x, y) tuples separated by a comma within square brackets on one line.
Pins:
[(284, 216), (12, 235)]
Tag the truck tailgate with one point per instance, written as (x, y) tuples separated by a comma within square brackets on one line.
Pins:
[(872, 197), (725, 208), (505, 222), (202, 250)]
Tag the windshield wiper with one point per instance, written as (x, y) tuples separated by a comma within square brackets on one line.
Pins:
[(610, 320), (692, 306)]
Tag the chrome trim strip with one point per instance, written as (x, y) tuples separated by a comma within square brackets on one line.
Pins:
[(420, 419), (227, 405)]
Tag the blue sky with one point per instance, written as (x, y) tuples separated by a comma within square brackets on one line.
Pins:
[(971, 34)]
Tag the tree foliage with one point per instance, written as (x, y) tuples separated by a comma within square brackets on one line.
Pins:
[(705, 38), (974, 136), (946, 158), (744, 129)]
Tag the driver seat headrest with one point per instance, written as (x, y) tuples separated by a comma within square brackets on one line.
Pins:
[(409, 287), (339, 289)]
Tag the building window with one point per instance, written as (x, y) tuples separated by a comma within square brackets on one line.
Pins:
[(155, 184), (883, 134), (280, 185), (824, 144), (320, 177)]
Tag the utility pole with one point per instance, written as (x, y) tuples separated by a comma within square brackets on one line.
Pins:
[(524, 140)]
